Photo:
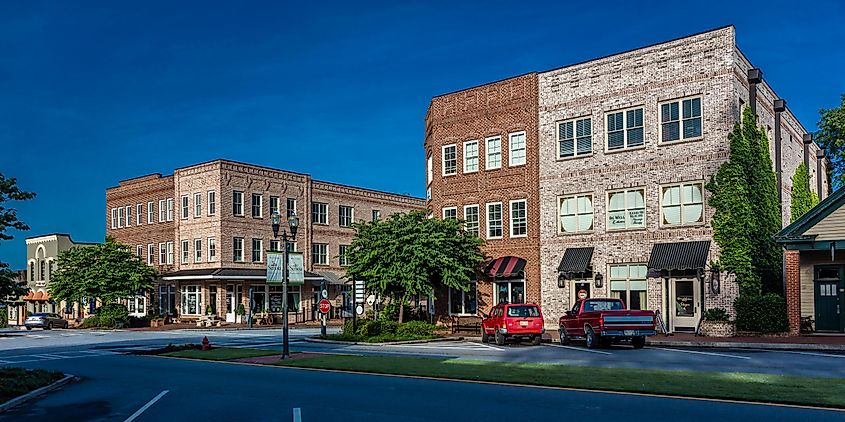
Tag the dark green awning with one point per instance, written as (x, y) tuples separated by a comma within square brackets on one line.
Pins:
[(576, 260), (679, 256)]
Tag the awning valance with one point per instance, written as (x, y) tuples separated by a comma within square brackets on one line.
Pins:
[(576, 260), (36, 296), (679, 256), (505, 267)]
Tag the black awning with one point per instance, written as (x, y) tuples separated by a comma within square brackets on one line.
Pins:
[(505, 267), (576, 260), (679, 256)]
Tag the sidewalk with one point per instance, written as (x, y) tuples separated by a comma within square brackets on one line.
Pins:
[(233, 326)]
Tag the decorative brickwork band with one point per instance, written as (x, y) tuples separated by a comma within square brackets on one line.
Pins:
[(793, 291)]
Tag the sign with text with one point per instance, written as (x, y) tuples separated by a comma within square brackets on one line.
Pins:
[(359, 291), (296, 268)]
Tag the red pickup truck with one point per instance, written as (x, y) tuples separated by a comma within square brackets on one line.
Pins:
[(604, 321)]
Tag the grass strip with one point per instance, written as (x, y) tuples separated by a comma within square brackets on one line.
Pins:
[(764, 388), (18, 381), (221, 353), (384, 338)]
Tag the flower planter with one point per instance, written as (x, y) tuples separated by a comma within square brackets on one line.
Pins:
[(717, 329), (156, 323)]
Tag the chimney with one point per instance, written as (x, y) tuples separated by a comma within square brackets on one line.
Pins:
[(808, 139), (819, 176), (755, 76), (780, 107)]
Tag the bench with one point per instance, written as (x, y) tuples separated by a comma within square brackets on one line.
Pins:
[(209, 321), (466, 324)]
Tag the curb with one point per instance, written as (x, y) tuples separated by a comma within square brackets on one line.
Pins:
[(391, 343), (35, 393), (742, 345)]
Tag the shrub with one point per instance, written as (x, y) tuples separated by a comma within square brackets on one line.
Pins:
[(4, 320), (416, 328), (761, 313), (112, 315), (137, 322), (91, 322), (370, 328), (717, 314)]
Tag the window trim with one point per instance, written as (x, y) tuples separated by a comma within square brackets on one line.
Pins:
[(169, 209), (487, 220), (443, 160), (510, 148), (198, 250), (235, 241), (278, 205), (185, 252), (607, 227), (186, 207), (487, 165), (444, 209), (314, 255), (343, 258), (260, 250), (574, 122), (211, 241), (211, 206), (340, 215), (560, 221), (139, 211), (477, 156), (197, 204), (260, 205), (114, 218), (326, 206), (510, 218), (151, 212), (242, 212), (463, 301), (625, 146), (680, 101), (628, 279), (478, 215), (703, 221), (162, 210), (151, 253)]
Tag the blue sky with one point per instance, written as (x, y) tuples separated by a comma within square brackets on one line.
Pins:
[(95, 92)]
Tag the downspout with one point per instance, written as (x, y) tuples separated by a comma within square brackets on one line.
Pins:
[(755, 76)]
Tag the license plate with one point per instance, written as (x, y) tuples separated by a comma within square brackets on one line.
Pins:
[(629, 332), (523, 323)]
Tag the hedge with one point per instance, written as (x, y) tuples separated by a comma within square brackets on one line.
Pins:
[(761, 313)]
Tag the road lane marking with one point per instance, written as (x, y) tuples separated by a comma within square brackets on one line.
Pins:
[(813, 354), (580, 349), (701, 353), (489, 346), (297, 415), (146, 406)]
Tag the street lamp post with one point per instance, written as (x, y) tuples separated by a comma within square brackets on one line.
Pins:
[(293, 223)]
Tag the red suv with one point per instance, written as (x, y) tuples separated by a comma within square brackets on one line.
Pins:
[(513, 321)]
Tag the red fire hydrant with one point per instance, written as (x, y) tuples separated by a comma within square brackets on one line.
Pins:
[(205, 344)]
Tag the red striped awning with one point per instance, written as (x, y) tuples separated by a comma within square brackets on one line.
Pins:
[(36, 296), (505, 267)]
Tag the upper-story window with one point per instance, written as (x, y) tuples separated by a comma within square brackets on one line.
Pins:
[(128, 215), (169, 209), (197, 250), (450, 213), (257, 205), (121, 217), (494, 220), (185, 207), (576, 214), (493, 146), (257, 250), (151, 212), (343, 255), (680, 120), (291, 207), (238, 203), (682, 204), (114, 218), (151, 253), (274, 205), (516, 143), (139, 251), (320, 213), (450, 160), (162, 210), (470, 156), (212, 249), (625, 129), (197, 204), (139, 214), (320, 253), (575, 138), (429, 169), (519, 218), (186, 253), (471, 219), (170, 252), (345, 215), (626, 209), (238, 249), (212, 202), (376, 215)]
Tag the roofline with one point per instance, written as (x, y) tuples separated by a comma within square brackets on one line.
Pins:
[(484, 84), (160, 176), (61, 234), (821, 210), (371, 190)]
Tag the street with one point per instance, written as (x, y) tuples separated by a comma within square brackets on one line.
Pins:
[(114, 385)]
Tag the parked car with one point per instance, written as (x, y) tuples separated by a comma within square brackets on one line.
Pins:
[(45, 321), (603, 321), (513, 321)]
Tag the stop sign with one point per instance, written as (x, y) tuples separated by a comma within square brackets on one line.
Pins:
[(325, 306)]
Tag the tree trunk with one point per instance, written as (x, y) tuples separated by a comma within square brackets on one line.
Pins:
[(402, 308)]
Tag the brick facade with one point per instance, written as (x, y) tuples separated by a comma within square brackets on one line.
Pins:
[(792, 259)]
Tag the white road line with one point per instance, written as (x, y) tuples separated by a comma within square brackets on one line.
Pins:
[(580, 349), (297, 415), (701, 353), (4, 362), (813, 354), (488, 346), (146, 406)]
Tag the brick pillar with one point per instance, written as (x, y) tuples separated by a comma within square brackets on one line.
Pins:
[(793, 291)]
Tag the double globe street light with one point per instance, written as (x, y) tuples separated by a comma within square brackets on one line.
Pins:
[(293, 223)]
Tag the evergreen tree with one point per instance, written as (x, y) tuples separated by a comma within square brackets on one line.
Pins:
[(10, 288), (831, 137), (803, 199)]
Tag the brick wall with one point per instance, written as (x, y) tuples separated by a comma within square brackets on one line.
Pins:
[(793, 290)]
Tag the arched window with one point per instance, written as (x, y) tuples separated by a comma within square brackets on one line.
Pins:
[(50, 270), (31, 271), (43, 268)]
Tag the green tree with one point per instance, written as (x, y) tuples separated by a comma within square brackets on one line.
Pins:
[(409, 254), (10, 289), (108, 271), (831, 137), (803, 199)]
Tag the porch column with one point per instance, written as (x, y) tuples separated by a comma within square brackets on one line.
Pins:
[(793, 290)]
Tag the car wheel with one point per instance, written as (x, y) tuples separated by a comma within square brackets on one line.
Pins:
[(564, 338), (28, 328), (536, 340), (638, 342), (500, 338), (49, 326), (592, 339), (485, 338)]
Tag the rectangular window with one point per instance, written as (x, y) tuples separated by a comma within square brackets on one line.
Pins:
[(320, 213), (463, 302), (470, 157), (625, 129), (170, 253), (494, 220), (320, 253), (291, 207), (430, 171), (345, 215), (629, 283), (212, 202), (162, 211), (139, 250), (191, 300), (342, 255), (257, 205), (519, 218), (212, 249), (274, 205), (186, 254), (121, 217), (185, 208), (471, 219), (680, 120), (450, 160), (114, 218), (494, 153), (274, 246), (682, 204), (257, 250), (576, 214), (162, 253), (238, 249), (450, 213), (575, 138), (151, 253), (169, 209), (139, 214), (376, 215), (516, 143), (150, 212), (197, 250), (238, 203), (626, 209), (128, 215), (197, 205)]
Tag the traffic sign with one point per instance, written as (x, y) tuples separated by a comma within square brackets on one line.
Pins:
[(359, 291), (371, 299), (359, 310), (325, 306)]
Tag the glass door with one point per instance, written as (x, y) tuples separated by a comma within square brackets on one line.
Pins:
[(828, 292), (685, 296), (231, 306)]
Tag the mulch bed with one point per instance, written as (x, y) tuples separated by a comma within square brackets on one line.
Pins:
[(269, 360)]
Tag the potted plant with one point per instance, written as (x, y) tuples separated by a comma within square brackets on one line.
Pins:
[(717, 323), (240, 312), (208, 309)]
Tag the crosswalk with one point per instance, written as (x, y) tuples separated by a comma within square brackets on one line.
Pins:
[(39, 357)]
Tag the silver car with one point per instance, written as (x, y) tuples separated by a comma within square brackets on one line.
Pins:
[(45, 321)]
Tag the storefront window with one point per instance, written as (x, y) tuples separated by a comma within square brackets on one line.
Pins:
[(463, 302), (212, 298), (191, 300), (259, 297), (628, 282), (167, 299), (510, 292)]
